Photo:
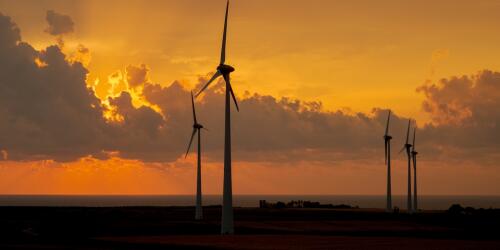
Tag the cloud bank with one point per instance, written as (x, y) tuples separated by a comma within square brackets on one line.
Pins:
[(47, 111)]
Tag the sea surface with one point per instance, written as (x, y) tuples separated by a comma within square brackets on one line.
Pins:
[(431, 202)]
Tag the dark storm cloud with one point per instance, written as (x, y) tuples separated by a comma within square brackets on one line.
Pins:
[(48, 112), (59, 24)]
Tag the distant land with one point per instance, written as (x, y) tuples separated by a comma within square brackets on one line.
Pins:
[(427, 202)]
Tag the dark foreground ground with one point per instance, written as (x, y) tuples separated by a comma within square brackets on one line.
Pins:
[(174, 228)]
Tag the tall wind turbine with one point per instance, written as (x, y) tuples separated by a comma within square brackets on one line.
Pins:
[(387, 140), (414, 156), (407, 146), (197, 130), (225, 70)]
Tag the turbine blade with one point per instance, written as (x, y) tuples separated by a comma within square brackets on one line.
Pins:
[(227, 78), (234, 98), (194, 111), (190, 142), (205, 129), (408, 131), (223, 50), (401, 151), (387, 124), (385, 151), (414, 133), (217, 74)]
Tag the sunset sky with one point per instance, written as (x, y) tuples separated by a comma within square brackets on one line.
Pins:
[(94, 95)]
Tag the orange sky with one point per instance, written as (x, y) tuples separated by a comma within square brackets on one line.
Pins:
[(117, 176), (354, 55)]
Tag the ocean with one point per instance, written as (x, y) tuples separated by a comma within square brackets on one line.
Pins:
[(430, 202)]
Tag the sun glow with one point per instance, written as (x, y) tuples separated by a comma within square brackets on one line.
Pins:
[(39, 63)]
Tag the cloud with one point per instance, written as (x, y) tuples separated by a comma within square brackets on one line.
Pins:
[(82, 55), (59, 24), (464, 111), (271, 129), (137, 75), (49, 112), (12, 34), (465, 100)]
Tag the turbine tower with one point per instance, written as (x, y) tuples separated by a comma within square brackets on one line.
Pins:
[(387, 140), (407, 146), (414, 156), (225, 70), (197, 129)]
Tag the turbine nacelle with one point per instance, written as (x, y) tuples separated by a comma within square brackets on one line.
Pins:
[(408, 148), (225, 69), (387, 137), (197, 126)]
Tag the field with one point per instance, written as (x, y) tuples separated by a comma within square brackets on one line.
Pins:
[(175, 228)]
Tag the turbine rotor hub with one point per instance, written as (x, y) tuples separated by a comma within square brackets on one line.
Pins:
[(197, 126)]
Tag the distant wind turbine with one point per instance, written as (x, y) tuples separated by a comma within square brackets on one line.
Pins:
[(407, 146), (414, 156), (387, 140), (225, 70), (197, 129)]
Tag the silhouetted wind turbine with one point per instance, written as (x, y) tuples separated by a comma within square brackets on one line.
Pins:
[(197, 129), (414, 156), (407, 146), (225, 70), (387, 140)]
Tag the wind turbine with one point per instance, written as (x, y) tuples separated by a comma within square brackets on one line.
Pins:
[(414, 156), (197, 129), (407, 146), (387, 140), (225, 70)]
